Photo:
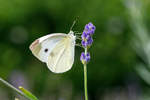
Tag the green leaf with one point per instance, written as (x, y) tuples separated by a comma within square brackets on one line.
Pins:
[(28, 94)]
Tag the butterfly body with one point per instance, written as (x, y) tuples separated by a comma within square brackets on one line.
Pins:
[(56, 50)]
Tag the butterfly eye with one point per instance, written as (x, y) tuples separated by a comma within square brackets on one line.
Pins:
[(46, 50)]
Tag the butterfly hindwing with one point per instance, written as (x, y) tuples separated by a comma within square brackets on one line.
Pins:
[(62, 56)]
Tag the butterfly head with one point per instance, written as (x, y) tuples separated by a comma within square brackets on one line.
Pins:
[(71, 34)]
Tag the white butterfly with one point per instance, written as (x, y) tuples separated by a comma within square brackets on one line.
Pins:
[(56, 50)]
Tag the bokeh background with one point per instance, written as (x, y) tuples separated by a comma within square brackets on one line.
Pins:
[(120, 55)]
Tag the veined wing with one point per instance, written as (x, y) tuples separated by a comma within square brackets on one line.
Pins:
[(42, 47), (62, 56)]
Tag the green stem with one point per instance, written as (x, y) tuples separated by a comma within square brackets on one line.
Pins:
[(15, 89), (85, 78)]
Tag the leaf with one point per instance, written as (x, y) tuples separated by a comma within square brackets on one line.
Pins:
[(27, 93)]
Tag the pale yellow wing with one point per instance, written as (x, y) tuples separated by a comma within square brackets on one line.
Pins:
[(62, 56)]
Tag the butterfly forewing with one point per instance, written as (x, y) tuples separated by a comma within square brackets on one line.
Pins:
[(42, 47)]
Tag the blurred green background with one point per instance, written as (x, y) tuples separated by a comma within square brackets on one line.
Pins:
[(112, 73)]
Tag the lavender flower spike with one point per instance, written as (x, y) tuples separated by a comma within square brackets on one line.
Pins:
[(87, 35)]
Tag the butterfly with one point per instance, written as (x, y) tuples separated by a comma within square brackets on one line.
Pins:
[(56, 50)]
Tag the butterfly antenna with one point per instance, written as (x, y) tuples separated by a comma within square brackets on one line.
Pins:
[(74, 23)]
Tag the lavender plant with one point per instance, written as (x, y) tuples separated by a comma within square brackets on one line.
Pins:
[(86, 42)]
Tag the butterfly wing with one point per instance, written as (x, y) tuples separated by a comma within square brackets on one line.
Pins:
[(61, 57), (42, 47)]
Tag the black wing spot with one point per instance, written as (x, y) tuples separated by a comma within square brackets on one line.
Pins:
[(46, 50)]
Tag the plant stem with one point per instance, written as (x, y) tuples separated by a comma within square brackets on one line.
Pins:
[(85, 78), (15, 89), (10, 86)]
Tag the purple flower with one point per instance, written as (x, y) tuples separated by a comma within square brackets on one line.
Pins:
[(84, 35), (84, 43), (90, 41), (89, 28), (85, 58), (87, 41), (87, 35), (82, 57)]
